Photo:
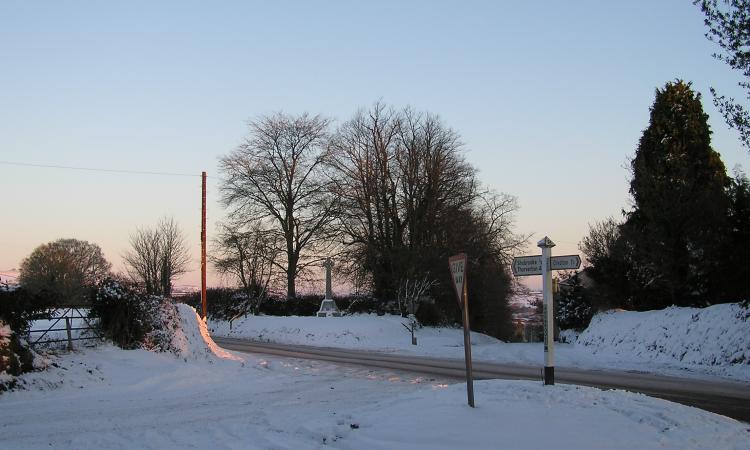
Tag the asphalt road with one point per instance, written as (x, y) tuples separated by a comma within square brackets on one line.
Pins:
[(728, 398)]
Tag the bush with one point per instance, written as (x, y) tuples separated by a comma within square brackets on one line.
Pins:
[(14, 357), (132, 319), (429, 314), (573, 309), (18, 307), (306, 305), (223, 303)]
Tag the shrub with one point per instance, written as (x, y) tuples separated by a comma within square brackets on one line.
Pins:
[(307, 305), (14, 357), (573, 308), (430, 315), (132, 319), (223, 303), (18, 307)]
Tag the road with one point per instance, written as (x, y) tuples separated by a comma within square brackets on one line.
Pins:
[(728, 398)]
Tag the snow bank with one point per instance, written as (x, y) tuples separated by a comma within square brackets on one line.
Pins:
[(191, 340), (360, 331), (715, 336)]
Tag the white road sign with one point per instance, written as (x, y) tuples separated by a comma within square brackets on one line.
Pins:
[(565, 262), (457, 264), (532, 265), (527, 265)]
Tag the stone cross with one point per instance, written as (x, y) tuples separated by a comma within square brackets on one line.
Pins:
[(328, 265)]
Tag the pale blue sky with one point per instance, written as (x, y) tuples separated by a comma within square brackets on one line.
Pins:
[(549, 97)]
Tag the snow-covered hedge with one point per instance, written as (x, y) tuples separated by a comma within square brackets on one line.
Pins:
[(15, 358), (714, 336), (132, 319), (6, 355), (135, 320)]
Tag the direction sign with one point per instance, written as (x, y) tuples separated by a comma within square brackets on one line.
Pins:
[(565, 262), (457, 264), (527, 265), (532, 265)]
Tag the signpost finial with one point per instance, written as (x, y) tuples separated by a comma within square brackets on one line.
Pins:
[(545, 243)]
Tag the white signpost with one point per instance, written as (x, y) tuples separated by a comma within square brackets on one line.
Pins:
[(543, 265), (566, 262), (457, 265), (532, 265)]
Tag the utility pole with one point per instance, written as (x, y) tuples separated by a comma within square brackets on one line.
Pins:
[(203, 247)]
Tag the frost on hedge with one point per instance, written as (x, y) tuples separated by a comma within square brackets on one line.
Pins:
[(133, 319), (14, 357), (718, 335)]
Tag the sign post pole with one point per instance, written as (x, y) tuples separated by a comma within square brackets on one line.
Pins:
[(543, 265), (546, 245), (467, 350), (457, 266)]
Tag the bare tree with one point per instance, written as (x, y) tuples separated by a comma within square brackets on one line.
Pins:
[(409, 200), (410, 294), (404, 184), (365, 182), (496, 213), (277, 175), (249, 257), (158, 256)]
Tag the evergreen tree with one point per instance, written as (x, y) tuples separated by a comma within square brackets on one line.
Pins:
[(676, 228), (573, 308), (736, 262), (607, 253)]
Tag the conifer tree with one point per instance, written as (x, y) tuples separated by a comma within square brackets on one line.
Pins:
[(736, 272), (573, 308), (680, 204)]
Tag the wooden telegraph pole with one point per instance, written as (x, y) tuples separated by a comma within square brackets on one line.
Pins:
[(203, 246)]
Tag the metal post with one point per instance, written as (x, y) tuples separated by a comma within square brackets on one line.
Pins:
[(467, 349), (546, 245), (203, 247), (70, 337)]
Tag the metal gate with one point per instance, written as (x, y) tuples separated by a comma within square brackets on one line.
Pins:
[(64, 322)]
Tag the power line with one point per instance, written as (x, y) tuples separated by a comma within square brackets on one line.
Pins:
[(92, 169)]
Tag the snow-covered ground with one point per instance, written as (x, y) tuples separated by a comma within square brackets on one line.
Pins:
[(209, 398), (708, 342)]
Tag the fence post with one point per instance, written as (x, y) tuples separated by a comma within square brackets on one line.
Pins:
[(67, 329)]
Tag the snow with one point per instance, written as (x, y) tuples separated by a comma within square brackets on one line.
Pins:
[(715, 336), (703, 343), (192, 340), (204, 398), (522, 414)]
